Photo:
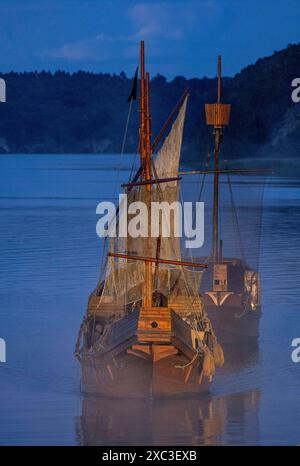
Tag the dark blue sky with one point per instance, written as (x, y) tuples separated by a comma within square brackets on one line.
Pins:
[(182, 37)]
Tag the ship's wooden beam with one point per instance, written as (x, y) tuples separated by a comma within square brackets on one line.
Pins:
[(233, 170), (154, 181), (157, 260), (219, 78)]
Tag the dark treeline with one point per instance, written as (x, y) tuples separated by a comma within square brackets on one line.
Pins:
[(86, 112)]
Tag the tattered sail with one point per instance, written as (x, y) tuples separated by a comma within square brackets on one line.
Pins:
[(166, 165), (124, 277), (167, 159)]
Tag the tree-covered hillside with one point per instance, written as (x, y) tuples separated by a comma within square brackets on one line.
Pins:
[(85, 112)]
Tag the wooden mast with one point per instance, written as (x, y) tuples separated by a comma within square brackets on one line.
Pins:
[(148, 134), (142, 106), (219, 78), (217, 115), (147, 177), (218, 135), (146, 155), (158, 260)]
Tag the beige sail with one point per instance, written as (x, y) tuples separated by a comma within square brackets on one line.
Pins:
[(168, 156), (124, 278), (166, 165)]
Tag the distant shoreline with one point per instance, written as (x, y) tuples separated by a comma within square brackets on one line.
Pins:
[(281, 167)]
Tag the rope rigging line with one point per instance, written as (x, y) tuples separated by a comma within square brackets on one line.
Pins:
[(199, 317), (205, 165), (126, 127), (235, 218), (255, 242), (120, 166), (133, 165), (160, 194), (104, 258), (254, 218)]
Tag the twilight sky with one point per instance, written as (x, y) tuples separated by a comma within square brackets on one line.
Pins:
[(183, 37)]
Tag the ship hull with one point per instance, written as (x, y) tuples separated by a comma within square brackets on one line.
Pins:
[(232, 323), (234, 315), (150, 352), (141, 377)]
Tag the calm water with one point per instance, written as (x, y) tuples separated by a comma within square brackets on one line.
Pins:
[(49, 263)]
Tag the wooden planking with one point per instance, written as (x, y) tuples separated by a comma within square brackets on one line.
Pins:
[(217, 114), (163, 351), (104, 305), (161, 316), (220, 277), (185, 305), (182, 331), (154, 324)]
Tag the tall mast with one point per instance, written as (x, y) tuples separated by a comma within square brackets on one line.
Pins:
[(148, 265), (146, 156), (142, 105), (217, 115), (218, 136), (219, 78)]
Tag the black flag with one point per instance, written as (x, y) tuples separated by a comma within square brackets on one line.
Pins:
[(133, 93)]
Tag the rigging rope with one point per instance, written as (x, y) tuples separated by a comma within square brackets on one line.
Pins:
[(235, 218), (126, 127), (118, 173)]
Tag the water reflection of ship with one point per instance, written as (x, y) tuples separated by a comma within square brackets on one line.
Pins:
[(240, 355), (204, 421)]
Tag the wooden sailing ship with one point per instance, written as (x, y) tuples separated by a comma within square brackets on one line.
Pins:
[(145, 332), (230, 286)]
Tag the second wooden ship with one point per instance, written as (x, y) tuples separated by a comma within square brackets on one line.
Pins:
[(230, 286)]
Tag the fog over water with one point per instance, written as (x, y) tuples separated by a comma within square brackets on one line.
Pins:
[(50, 258)]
